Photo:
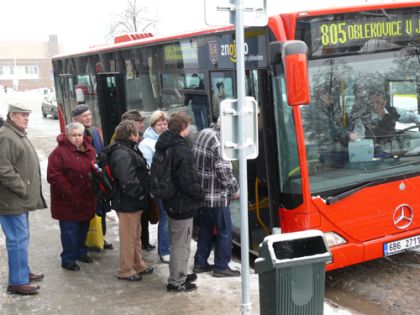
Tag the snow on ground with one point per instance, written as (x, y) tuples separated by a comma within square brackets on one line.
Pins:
[(112, 233), (218, 283)]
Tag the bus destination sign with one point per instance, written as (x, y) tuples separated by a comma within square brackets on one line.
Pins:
[(352, 32), (346, 32), (184, 51)]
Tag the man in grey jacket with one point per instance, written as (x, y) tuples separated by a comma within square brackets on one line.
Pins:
[(20, 192)]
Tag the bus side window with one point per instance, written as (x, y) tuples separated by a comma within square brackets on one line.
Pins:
[(221, 88), (195, 99), (251, 84)]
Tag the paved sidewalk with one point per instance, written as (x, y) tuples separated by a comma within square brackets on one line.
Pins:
[(96, 290)]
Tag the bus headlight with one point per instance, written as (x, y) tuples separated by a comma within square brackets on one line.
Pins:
[(333, 239)]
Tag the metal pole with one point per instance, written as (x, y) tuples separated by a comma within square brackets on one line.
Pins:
[(240, 77)]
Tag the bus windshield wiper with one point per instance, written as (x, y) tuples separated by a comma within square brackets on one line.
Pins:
[(394, 166), (333, 199)]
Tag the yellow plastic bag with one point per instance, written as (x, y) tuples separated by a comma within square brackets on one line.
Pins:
[(95, 238)]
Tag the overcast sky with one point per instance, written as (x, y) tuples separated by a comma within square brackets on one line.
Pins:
[(82, 23)]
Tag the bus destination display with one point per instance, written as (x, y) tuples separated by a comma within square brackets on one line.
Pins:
[(344, 32), (349, 32)]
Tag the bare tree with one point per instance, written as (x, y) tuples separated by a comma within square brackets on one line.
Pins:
[(133, 19)]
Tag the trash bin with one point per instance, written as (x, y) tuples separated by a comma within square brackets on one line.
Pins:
[(291, 270)]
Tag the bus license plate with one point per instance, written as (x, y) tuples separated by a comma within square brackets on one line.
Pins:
[(401, 245)]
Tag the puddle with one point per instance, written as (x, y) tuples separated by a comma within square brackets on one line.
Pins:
[(353, 302)]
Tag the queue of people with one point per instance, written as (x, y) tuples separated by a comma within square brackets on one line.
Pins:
[(73, 201), (21, 193), (184, 205), (220, 186), (130, 170), (81, 114), (139, 121), (158, 125)]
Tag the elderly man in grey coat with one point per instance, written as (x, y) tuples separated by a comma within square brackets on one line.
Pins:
[(20, 192)]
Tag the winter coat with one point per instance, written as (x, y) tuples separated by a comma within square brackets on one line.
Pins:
[(129, 168), (189, 196), (215, 174), (147, 145), (20, 175), (72, 196), (97, 142)]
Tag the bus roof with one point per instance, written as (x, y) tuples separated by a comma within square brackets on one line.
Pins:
[(145, 41), (149, 40)]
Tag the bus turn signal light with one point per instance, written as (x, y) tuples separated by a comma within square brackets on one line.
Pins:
[(333, 239)]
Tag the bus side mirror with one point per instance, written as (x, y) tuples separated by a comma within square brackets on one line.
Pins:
[(293, 56)]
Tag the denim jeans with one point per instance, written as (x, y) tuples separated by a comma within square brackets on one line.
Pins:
[(163, 234), (16, 229), (73, 238), (208, 219)]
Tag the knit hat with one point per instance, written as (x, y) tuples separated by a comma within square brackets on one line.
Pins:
[(79, 109), (19, 108)]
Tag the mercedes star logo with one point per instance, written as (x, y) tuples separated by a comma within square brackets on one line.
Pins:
[(403, 216)]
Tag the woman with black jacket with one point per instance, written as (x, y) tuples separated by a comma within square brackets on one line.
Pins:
[(182, 208), (129, 168)]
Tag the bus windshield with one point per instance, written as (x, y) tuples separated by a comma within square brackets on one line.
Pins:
[(363, 121)]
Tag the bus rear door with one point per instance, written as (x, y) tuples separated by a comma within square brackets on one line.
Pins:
[(68, 98), (111, 100)]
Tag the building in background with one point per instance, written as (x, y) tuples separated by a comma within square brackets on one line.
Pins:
[(26, 65)]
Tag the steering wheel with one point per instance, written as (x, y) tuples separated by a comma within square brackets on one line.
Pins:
[(408, 128), (400, 138)]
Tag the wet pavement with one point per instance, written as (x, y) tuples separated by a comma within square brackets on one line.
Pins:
[(95, 289), (384, 286), (387, 286)]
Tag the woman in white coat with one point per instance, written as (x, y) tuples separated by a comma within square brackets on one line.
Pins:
[(158, 125)]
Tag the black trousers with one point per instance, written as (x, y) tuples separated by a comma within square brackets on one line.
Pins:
[(103, 221), (144, 229)]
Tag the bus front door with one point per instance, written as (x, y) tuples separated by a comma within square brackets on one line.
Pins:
[(260, 209), (111, 101)]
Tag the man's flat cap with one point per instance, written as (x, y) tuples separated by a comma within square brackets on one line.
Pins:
[(19, 108), (79, 109)]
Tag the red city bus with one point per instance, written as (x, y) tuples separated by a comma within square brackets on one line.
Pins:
[(347, 164)]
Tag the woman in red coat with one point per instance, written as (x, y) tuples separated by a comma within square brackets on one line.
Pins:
[(72, 197)]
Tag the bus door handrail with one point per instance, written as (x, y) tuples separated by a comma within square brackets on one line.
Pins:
[(257, 209)]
